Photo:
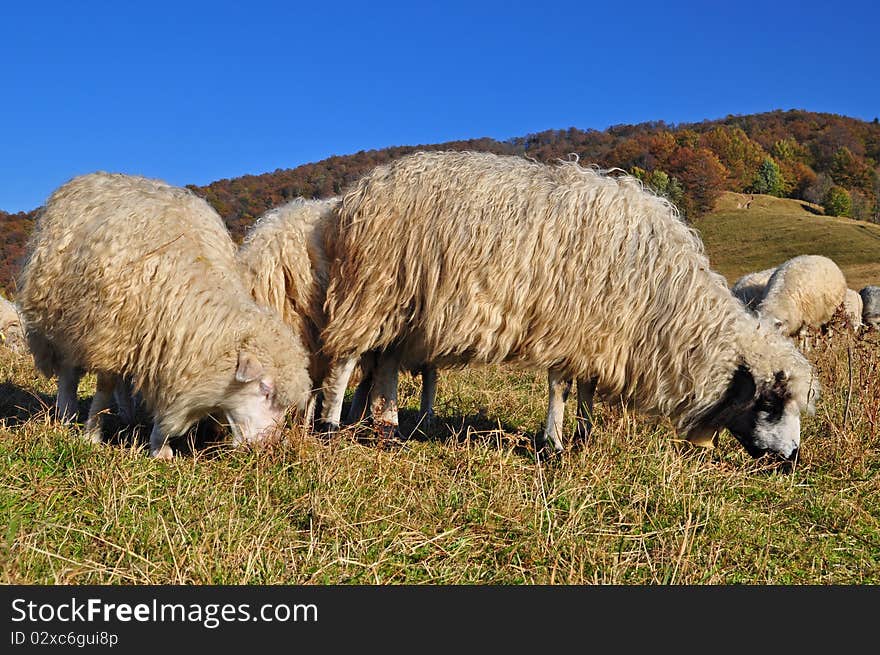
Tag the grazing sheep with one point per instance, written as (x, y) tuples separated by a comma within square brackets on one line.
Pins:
[(750, 287), (460, 257), (802, 293), (135, 279), (871, 305), (285, 269), (852, 306), (11, 331)]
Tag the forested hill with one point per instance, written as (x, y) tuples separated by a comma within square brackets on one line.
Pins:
[(827, 159), (822, 158)]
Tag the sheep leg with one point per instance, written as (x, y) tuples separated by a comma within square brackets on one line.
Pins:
[(123, 394), (558, 390), (429, 394), (586, 389), (66, 405), (358, 410), (101, 402), (159, 448), (383, 396), (334, 392)]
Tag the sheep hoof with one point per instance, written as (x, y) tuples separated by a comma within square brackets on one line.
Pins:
[(93, 435), (387, 431), (164, 454), (326, 427), (427, 421), (547, 446)]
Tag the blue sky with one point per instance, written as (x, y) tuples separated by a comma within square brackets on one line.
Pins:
[(191, 92)]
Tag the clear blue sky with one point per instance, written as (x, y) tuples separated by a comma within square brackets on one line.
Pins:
[(192, 92)]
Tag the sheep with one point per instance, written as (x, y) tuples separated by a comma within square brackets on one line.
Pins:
[(11, 331), (137, 280), (750, 287), (456, 258), (852, 306), (284, 265), (285, 269), (803, 292), (871, 305)]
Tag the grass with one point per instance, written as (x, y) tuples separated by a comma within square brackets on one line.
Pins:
[(469, 502), (773, 230)]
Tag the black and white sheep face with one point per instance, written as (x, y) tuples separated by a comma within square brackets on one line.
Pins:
[(762, 416)]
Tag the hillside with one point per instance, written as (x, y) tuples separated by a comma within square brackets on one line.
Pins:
[(740, 240), (794, 154)]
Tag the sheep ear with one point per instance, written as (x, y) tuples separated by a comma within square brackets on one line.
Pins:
[(249, 367), (742, 386), (267, 387)]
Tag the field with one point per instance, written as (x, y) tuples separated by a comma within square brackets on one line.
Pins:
[(771, 230), (467, 501)]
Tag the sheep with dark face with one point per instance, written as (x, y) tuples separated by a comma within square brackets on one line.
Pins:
[(456, 258), (137, 280)]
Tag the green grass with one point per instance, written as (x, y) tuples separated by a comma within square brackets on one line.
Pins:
[(772, 230), (468, 503)]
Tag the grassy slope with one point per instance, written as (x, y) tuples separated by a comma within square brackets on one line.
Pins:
[(772, 230), (469, 504)]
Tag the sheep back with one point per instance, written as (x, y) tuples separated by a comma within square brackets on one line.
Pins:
[(803, 292)]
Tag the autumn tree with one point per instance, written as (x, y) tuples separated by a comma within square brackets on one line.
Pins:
[(702, 177), (837, 202), (740, 155)]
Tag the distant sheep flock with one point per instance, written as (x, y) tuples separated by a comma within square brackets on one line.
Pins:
[(435, 260)]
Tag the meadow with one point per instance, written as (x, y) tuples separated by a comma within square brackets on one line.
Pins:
[(468, 500)]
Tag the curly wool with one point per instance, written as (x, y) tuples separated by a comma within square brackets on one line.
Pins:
[(462, 257), (803, 292), (285, 268), (131, 276)]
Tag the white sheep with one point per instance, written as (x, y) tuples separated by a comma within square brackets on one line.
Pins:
[(852, 306), (871, 305), (803, 293), (11, 328), (132, 278), (458, 257), (285, 269), (750, 287)]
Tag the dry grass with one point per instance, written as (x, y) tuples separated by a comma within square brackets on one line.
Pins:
[(467, 503)]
